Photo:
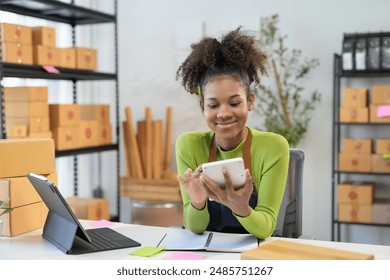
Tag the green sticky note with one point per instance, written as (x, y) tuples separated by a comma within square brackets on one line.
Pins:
[(386, 155), (147, 251)]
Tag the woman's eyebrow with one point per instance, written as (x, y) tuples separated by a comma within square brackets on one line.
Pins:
[(231, 97)]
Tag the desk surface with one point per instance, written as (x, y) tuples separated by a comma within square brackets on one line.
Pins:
[(32, 246)]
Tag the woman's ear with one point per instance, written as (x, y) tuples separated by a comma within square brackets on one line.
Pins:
[(251, 101), (201, 105)]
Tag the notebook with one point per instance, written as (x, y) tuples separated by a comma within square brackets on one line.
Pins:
[(63, 229)]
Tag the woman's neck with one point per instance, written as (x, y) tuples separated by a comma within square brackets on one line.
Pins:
[(232, 143)]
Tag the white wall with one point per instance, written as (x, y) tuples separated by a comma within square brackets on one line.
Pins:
[(150, 53)]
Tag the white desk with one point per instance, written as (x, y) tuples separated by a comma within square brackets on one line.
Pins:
[(32, 246)]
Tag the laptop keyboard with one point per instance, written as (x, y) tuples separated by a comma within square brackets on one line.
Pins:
[(99, 242)]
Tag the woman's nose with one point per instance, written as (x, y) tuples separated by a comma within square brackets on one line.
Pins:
[(224, 112)]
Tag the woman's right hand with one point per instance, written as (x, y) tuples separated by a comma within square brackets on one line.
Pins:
[(194, 188)]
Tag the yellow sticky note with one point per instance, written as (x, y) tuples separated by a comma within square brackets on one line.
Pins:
[(147, 251)]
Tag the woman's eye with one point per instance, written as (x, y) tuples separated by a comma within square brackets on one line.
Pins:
[(235, 104), (212, 106)]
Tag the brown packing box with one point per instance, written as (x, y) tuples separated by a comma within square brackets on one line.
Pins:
[(382, 146), (16, 131), (21, 156), (352, 145), (15, 33), (68, 57), (98, 112), (355, 97), (44, 134), (23, 94), (373, 115), (43, 35), (43, 55), (355, 162), (66, 137), (288, 250), (353, 115), (355, 212), (88, 133), (16, 53), (64, 115), (35, 124), (380, 164), (26, 109), (86, 59), (104, 134), (20, 191), (89, 208), (380, 95), (22, 219), (381, 211), (354, 193)]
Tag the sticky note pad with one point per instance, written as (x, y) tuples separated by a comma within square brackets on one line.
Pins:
[(147, 251), (184, 256), (50, 69), (102, 223), (383, 111)]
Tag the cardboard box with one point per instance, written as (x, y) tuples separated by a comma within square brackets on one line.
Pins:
[(354, 145), (16, 131), (380, 95), (355, 162), (382, 146), (381, 211), (22, 219), (88, 133), (353, 115), (98, 112), (355, 212), (86, 59), (68, 57), (43, 134), (355, 193), (20, 191), (26, 109), (64, 115), (43, 55), (374, 117), (380, 164), (15, 33), (24, 94), (104, 134), (21, 156), (66, 137), (16, 53), (43, 35), (355, 97), (89, 208), (35, 124)]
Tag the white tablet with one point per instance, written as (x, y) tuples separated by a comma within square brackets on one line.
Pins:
[(235, 168)]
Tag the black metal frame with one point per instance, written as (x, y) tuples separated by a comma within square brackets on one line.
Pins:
[(339, 74), (73, 15)]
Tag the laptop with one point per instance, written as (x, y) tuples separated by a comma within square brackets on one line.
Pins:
[(63, 229)]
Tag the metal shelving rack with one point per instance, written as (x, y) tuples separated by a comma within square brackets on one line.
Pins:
[(73, 15), (338, 75)]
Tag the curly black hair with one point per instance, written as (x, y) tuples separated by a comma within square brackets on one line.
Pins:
[(237, 54)]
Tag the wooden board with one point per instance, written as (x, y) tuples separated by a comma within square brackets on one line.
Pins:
[(167, 148), (148, 140), (288, 250), (133, 144), (130, 167), (157, 148)]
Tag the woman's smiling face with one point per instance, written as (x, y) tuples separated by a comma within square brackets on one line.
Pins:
[(225, 109)]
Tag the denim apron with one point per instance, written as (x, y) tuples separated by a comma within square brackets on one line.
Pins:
[(221, 217)]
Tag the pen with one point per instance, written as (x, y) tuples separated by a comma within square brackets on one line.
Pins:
[(161, 240)]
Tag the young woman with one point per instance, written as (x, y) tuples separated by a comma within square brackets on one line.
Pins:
[(221, 74)]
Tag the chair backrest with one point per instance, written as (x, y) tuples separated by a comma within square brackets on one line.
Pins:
[(289, 223)]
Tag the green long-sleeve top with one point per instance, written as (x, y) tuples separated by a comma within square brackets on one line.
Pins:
[(269, 159)]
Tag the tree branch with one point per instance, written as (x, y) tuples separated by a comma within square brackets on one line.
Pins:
[(283, 103)]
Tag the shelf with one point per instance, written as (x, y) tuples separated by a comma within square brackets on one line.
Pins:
[(362, 124), (86, 150), (362, 224), (37, 72), (361, 173), (366, 74), (56, 11)]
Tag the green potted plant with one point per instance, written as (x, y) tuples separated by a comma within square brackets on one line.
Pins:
[(3, 211), (282, 103)]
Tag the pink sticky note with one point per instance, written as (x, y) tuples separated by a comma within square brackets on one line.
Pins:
[(383, 111), (184, 256), (102, 223), (50, 69)]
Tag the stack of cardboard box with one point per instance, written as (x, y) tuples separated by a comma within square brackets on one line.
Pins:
[(381, 158), (16, 43), (380, 104), (356, 155), (44, 46), (95, 126), (354, 105), (89, 208), (19, 157), (27, 112)]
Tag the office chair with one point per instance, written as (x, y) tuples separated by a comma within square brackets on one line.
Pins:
[(289, 222)]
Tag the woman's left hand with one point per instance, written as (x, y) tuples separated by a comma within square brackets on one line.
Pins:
[(236, 200)]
